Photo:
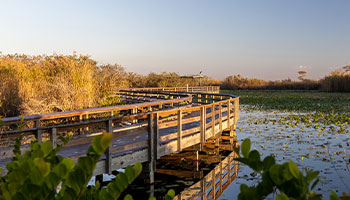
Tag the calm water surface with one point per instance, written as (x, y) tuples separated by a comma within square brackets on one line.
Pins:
[(327, 152)]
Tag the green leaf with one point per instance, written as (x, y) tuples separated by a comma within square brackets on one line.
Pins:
[(68, 163), (42, 166), (268, 162), (170, 194), (275, 172), (137, 168), (243, 160), (152, 198), (46, 147), (129, 172), (254, 155), (282, 196), (334, 196), (314, 184), (106, 140), (96, 145), (294, 169), (128, 197), (245, 147), (311, 175)]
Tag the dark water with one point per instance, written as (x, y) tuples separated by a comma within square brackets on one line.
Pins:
[(327, 152)]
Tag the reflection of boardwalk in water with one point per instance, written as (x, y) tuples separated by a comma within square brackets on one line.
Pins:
[(218, 179), (193, 173)]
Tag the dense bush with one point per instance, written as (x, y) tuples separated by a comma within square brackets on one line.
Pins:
[(42, 174)]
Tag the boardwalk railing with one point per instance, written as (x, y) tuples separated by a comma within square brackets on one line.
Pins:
[(205, 89), (165, 122)]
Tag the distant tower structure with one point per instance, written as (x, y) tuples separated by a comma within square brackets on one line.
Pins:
[(195, 77), (302, 75)]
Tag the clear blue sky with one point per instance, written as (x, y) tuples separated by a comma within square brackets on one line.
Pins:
[(267, 39)]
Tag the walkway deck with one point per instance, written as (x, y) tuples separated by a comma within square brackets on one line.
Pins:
[(156, 124)]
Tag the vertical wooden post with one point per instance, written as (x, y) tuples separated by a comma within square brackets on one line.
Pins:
[(179, 130), (53, 137), (228, 113), (213, 120), (186, 87), (202, 126), (236, 109), (86, 129), (38, 133), (152, 144), (213, 183), (108, 164), (203, 189), (220, 117), (220, 178), (134, 111), (80, 130)]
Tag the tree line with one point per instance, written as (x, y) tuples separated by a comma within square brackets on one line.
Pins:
[(54, 83)]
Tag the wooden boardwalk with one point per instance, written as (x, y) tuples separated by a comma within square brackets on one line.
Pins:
[(151, 125)]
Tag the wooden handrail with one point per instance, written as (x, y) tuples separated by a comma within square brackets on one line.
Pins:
[(164, 113)]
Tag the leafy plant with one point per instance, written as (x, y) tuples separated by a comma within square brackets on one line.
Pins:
[(290, 182), (42, 174)]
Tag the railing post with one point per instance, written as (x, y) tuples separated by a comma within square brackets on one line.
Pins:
[(82, 131), (220, 117), (220, 177), (213, 120), (152, 144), (236, 103), (203, 189), (108, 164), (53, 137), (186, 87), (179, 130), (228, 114), (213, 183), (202, 126), (134, 111), (38, 133)]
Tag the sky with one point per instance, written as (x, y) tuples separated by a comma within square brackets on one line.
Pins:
[(267, 39)]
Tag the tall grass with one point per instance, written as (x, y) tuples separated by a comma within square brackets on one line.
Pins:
[(239, 82), (43, 84), (336, 83)]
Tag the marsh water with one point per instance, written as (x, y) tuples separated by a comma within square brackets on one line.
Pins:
[(327, 151)]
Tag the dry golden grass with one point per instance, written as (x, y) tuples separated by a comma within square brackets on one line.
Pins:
[(43, 84)]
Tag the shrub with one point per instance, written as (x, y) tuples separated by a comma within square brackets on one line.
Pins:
[(42, 174)]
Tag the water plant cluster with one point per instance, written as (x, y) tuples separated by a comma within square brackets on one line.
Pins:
[(314, 135), (285, 179)]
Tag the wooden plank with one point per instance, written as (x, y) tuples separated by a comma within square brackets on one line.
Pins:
[(180, 173)]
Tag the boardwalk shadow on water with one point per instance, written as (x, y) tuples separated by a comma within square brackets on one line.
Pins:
[(192, 173)]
